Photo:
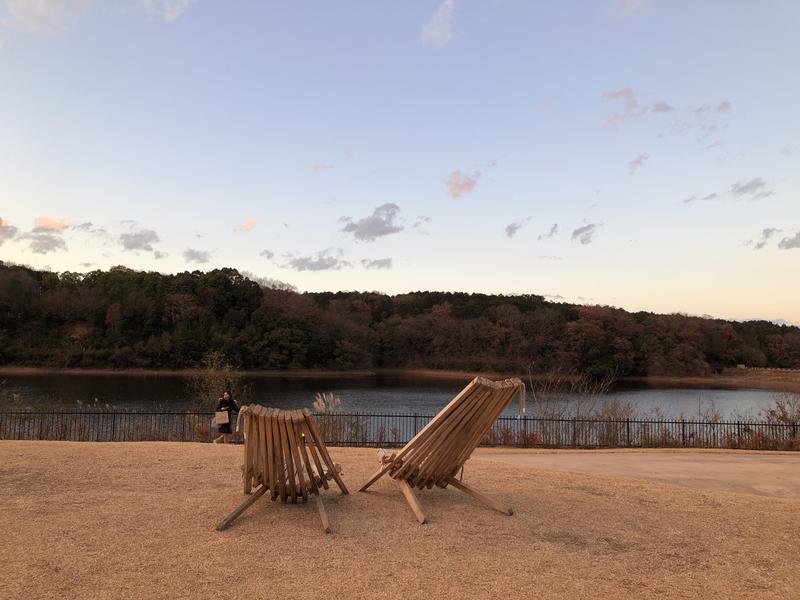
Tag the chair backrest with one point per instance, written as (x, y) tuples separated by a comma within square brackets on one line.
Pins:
[(285, 452), (441, 448)]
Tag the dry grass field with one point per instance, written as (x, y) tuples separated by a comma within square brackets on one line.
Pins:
[(136, 520)]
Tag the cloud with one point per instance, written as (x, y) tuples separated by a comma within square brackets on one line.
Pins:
[(7, 231), (48, 223), (196, 256), (627, 8), (324, 260), (637, 163), (142, 239), (722, 107), (459, 183), (378, 263), (438, 31), (585, 234), (38, 15), (51, 15), (419, 224), (317, 167), (550, 233), (248, 225), (158, 255), (44, 242), (630, 106), (789, 243), (788, 150), (169, 10), (754, 189), (381, 222), (662, 107), (266, 254), (766, 234), (513, 228)]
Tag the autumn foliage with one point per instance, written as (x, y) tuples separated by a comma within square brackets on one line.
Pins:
[(125, 318)]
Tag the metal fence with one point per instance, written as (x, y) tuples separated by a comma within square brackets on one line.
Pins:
[(353, 429)]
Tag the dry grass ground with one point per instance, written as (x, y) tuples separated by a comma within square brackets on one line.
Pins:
[(136, 520)]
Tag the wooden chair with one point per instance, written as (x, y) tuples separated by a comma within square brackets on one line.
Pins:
[(436, 454), (285, 455)]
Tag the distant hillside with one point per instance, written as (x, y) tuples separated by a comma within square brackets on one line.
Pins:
[(126, 318)]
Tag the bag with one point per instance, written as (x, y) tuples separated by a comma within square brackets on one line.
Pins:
[(221, 417)]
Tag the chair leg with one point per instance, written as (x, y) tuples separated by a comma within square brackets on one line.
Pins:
[(326, 526), (490, 502), (412, 500), (378, 474), (241, 508)]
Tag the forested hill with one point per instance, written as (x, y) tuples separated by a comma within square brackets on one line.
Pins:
[(126, 318)]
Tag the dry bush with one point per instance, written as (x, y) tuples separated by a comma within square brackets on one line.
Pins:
[(562, 395), (216, 376)]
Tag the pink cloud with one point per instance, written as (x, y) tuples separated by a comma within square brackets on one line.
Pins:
[(459, 183), (248, 225), (320, 167), (48, 223)]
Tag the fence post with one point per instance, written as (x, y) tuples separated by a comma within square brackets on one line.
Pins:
[(683, 432), (628, 432)]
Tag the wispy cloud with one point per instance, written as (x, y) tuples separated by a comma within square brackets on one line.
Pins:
[(38, 15), (637, 163), (329, 259), (766, 234), (513, 228), (438, 31), (419, 224), (722, 107), (248, 225), (631, 108), (754, 189), (196, 256), (7, 231), (267, 254), (789, 150), (459, 183), (168, 10), (550, 233), (381, 222), (51, 15), (789, 243), (317, 167), (378, 263), (585, 235), (628, 8)]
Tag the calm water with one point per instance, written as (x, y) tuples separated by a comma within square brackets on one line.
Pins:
[(373, 394)]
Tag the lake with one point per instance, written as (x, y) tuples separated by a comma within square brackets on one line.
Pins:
[(365, 394)]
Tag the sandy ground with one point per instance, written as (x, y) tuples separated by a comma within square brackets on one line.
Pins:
[(136, 520), (761, 473)]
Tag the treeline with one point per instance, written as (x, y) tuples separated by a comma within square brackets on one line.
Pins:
[(125, 318)]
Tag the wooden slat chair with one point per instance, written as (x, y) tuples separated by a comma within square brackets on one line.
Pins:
[(285, 455), (436, 454)]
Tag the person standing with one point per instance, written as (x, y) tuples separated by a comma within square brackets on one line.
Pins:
[(228, 404)]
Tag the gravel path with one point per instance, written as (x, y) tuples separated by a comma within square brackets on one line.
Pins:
[(136, 520)]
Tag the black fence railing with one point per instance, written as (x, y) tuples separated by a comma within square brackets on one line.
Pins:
[(354, 429)]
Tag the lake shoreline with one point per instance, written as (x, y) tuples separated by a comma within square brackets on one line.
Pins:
[(779, 381)]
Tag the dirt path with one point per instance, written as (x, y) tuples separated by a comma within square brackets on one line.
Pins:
[(761, 473), (136, 521)]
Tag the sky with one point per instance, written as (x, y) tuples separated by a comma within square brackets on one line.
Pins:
[(635, 153)]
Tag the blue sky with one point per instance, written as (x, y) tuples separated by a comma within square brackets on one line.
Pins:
[(642, 154)]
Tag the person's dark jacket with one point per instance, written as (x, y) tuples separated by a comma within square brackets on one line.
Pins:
[(232, 408)]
